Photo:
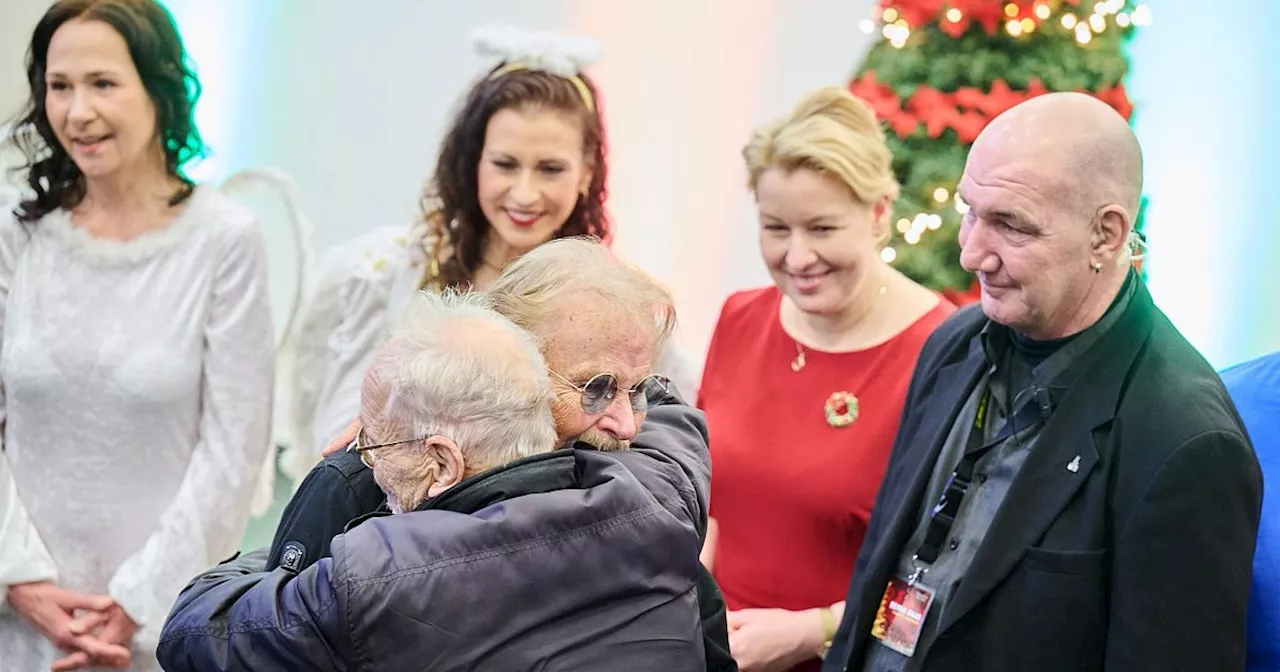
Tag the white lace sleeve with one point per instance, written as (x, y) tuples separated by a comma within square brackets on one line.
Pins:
[(23, 556), (206, 518)]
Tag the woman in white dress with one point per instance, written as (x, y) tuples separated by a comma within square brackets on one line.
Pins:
[(523, 163), (136, 352)]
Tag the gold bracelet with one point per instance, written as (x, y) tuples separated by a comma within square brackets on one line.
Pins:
[(829, 626)]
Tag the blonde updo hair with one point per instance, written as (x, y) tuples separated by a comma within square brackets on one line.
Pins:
[(831, 132)]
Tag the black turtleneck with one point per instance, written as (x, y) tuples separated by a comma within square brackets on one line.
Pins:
[(1033, 352)]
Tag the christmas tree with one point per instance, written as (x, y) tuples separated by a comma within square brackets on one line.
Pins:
[(945, 68)]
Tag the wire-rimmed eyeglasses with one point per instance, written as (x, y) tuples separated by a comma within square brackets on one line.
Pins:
[(599, 391), (359, 446)]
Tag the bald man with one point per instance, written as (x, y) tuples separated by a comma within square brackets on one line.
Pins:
[(1071, 488)]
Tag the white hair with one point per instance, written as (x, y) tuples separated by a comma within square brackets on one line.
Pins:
[(568, 273), (454, 367)]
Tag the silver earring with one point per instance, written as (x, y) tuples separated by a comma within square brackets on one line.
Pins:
[(1097, 267)]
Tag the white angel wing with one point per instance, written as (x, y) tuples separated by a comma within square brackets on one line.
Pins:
[(299, 225), (241, 185)]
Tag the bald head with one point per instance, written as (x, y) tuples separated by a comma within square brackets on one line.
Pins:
[(1053, 187), (1081, 145)]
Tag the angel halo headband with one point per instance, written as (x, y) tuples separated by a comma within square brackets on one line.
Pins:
[(575, 79), (520, 49)]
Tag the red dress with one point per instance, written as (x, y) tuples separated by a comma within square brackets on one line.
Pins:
[(792, 494)]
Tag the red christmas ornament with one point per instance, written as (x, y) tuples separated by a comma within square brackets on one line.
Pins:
[(955, 29), (1036, 88), (987, 13), (904, 124), (1118, 98), (928, 98), (990, 14), (968, 125), (999, 99), (915, 12), (969, 97), (940, 120), (879, 96), (936, 109)]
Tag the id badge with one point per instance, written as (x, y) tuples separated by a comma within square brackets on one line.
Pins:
[(901, 615)]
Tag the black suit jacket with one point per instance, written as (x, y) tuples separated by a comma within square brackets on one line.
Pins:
[(1139, 559)]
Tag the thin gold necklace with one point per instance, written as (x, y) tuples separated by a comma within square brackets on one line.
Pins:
[(799, 362)]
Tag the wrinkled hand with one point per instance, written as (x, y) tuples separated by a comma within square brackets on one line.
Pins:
[(344, 439), (770, 640), (52, 610), (112, 626)]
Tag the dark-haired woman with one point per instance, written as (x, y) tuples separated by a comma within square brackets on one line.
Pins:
[(136, 360), (523, 163)]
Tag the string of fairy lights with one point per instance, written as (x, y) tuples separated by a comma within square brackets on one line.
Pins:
[(1084, 20), (897, 31), (912, 229)]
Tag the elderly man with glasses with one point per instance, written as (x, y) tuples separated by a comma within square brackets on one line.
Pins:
[(498, 551), (599, 322)]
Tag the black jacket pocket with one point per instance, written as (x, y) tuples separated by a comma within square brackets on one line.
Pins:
[(1064, 562)]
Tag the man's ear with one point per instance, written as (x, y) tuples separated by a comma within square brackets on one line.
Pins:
[(1111, 231), (450, 465)]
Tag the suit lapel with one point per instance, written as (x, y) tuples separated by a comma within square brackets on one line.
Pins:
[(1060, 460), (936, 414)]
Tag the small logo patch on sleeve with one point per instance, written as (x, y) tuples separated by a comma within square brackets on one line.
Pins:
[(292, 556)]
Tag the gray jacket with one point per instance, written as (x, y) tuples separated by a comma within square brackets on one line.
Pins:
[(572, 560)]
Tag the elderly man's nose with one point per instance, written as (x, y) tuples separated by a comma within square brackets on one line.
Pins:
[(619, 419)]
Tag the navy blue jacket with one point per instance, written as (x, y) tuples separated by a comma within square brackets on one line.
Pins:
[(340, 492), (574, 559)]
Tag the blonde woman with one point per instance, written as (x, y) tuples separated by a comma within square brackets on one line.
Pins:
[(805, 380)]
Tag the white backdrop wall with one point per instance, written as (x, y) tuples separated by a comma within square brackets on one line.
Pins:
[(350, 99), (353, 105)]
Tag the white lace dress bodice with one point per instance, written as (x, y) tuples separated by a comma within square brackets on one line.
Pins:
[(135, 396)]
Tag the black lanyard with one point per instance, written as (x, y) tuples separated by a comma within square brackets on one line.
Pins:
[(943, 517)]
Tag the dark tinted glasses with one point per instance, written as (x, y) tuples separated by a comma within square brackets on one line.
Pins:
[(599, 392)]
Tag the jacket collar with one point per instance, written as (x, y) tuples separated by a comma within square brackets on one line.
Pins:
[(545, 472)]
